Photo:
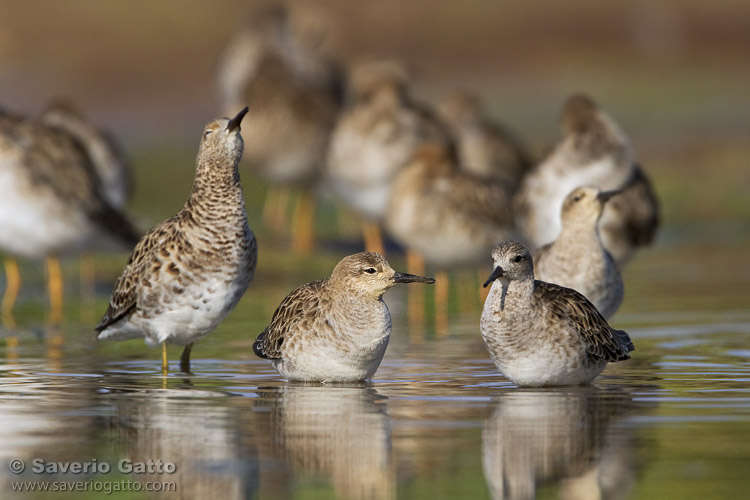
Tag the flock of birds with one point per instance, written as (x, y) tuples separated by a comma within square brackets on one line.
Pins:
[(447, 183)]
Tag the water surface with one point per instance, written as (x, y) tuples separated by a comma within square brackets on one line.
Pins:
[(438, 421)]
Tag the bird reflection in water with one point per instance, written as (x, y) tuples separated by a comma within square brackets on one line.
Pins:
[(569, 438), (339, 434)]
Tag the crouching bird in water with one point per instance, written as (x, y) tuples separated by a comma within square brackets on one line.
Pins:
[(335, 329), (542, 334)]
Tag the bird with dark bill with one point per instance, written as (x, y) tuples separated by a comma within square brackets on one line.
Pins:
[(187, 273), (577, 258), (593, 151), (542, 334), (335, 329)]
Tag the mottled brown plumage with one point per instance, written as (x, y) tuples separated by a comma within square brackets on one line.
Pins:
[(335, 329), (187, 273), (577, 258), (450, 216), (541, 334), (593, 151), (484, 147)]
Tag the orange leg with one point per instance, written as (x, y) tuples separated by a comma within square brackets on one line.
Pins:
[(303, 224), (55, 288), (442, 287), (415, 307), (373, 237), (13, 278)]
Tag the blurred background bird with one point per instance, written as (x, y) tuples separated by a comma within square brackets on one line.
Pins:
[(485, 147), (378, 131), (594, 151), (52, 202), (277, 64), (446, 216)]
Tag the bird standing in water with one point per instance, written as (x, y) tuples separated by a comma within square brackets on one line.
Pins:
[(187, 273)]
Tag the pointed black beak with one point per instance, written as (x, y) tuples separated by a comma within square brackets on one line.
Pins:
[(604, 196), (497, 273), (411, 278), (234, 123)]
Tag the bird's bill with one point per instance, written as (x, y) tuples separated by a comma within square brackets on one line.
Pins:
[(411, 278), (234, 123), (496, 273), (605, 196)]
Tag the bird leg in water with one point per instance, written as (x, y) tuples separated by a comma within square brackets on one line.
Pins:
[(185, 358), (55, 288), (415, 297), (373, 237), (13, 278), (442, 288), (303, 223), (164, 364)]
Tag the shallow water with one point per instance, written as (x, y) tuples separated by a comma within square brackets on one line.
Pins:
[(438, 421)]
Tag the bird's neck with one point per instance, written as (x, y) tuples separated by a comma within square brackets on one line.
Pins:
[(217, 193), (579, 233), (518, 289)]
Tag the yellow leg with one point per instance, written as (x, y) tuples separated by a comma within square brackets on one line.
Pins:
[(442, 287), (303, 224), (185, 358), (13, 278), (55, 288), (415, 300), (164, 364), (373, 237)]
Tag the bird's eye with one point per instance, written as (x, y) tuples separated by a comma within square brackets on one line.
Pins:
[(207, 133), (577, 198), (518, 258), (370, 270)]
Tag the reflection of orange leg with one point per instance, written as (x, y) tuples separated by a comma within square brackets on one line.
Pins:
[(442, 287), (415, 300), (11, 347), (483, 292), (13, 278), (373, 237), (55, 288), (54, 343), (303, 224)]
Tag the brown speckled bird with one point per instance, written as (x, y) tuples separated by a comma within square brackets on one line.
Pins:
[(51, 203), (335, 329), (187, 273), (276, 63), (593, 151), (484, 147), (542, 334), (376, 134), (577, 259)]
